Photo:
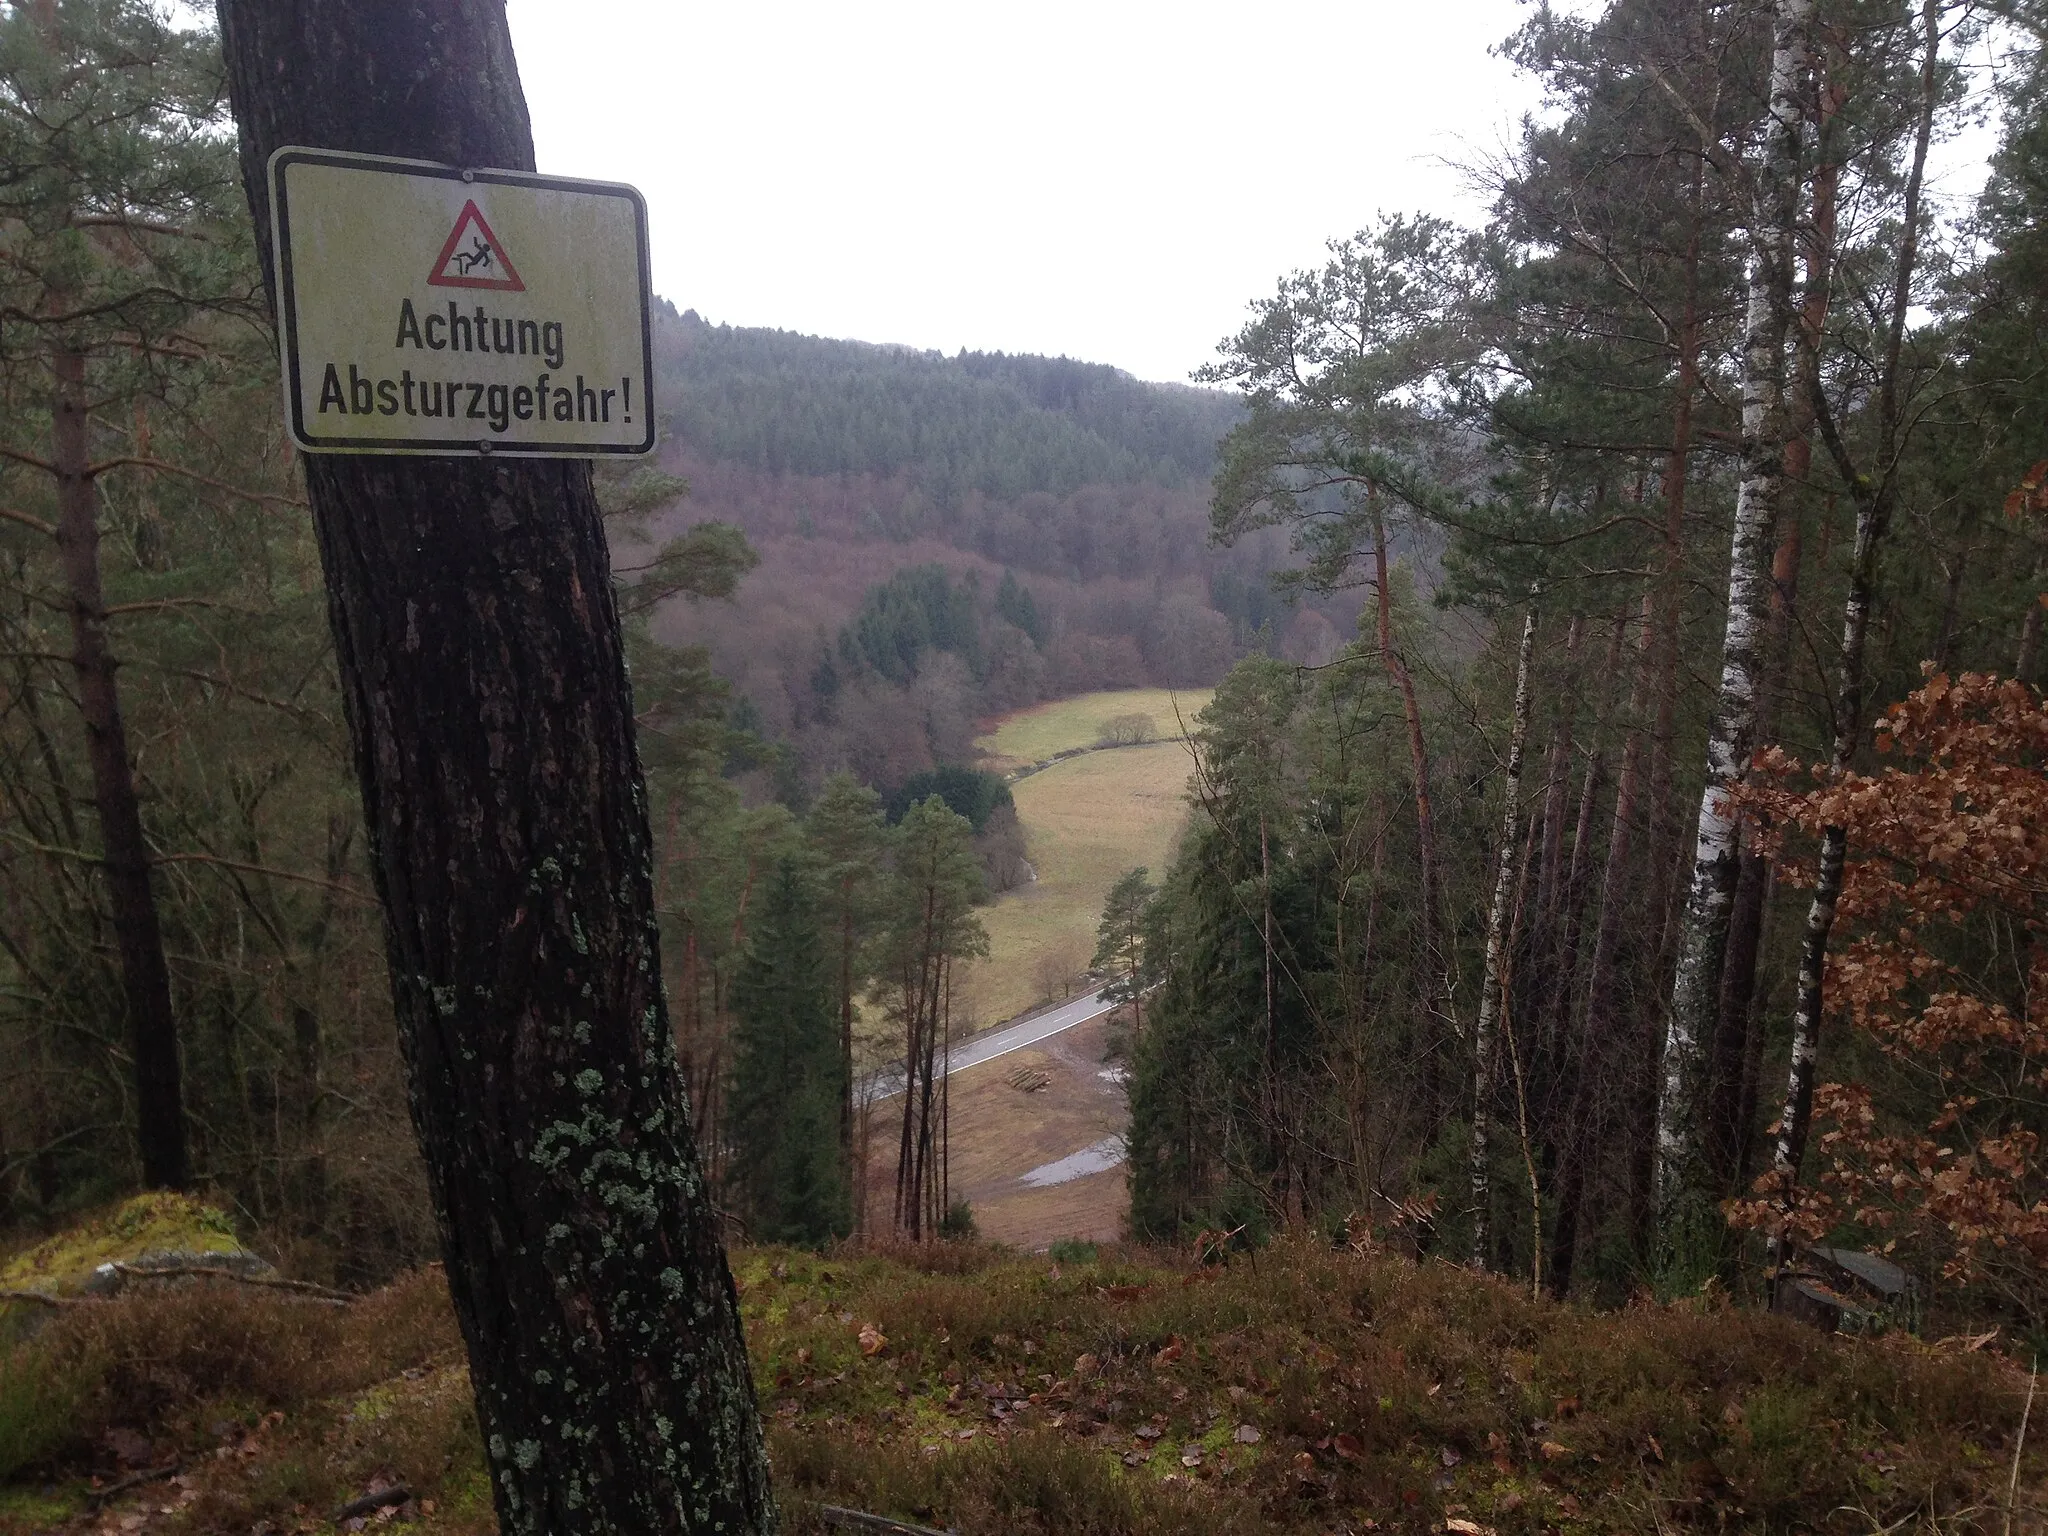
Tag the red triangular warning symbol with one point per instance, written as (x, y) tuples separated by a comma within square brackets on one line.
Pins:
[(473, 256)]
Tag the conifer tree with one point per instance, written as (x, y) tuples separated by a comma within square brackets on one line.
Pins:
[(784, 1102), (1120, 940), (123, 235), (937, 882), (483, 670), (846, 834)]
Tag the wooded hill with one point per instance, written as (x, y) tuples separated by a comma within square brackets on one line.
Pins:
[(847, 463)]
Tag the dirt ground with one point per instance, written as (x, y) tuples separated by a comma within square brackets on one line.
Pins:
[(1006, 1125)]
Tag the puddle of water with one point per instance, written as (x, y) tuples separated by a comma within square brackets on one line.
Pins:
[(1112, 1074), (1100, 1158)]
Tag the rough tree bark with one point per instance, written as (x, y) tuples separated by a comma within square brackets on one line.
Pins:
[(1568, 1134), (1490, 987), (1703, 943), (1874, 495), (478, 647)]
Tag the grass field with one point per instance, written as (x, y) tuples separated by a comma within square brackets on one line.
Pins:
[(1032, 735), (1086, 821)]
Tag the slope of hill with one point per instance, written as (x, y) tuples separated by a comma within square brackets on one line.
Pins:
[(1108, 1394)]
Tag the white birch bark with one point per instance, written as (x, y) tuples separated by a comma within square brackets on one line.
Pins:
[(1731, 732), (1496, 957)]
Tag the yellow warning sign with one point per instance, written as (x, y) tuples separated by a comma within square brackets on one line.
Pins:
[(433, 309)]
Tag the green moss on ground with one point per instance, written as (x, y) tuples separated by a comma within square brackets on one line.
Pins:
[(160, 1222)]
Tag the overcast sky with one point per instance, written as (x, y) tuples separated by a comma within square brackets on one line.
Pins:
[(1111, 179)]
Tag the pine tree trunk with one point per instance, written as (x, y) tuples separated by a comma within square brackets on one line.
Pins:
[(1490, 989), (485, 685), (1566, 1134), (138, 935), (1557, 787), (1431, 959), (1703, 944)]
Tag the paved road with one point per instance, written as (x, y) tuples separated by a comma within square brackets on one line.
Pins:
[(1000, 1042)]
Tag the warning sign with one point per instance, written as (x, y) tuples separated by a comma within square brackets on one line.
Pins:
[(473, 258), (429, 309)]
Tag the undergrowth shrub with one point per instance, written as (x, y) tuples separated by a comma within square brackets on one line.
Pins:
[(161, 1356), (1031, 1485)]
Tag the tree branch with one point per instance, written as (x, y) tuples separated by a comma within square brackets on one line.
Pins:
[(94, 471)]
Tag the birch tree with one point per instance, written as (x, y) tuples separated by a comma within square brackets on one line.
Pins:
[(1493, 984), (1730, 731)]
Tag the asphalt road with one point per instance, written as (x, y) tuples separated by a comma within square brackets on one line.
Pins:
[(1000, 1042)]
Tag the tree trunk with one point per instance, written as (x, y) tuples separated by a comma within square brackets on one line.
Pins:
[(1703, 945), (478, 646), (1425, 817), (860, 1215), (1490, 988), (1874, 495), (1557, 788), (145, 976), (1566, 1133), (1729, 1096)]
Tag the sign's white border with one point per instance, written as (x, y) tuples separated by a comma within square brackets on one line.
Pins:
[(288, 338)]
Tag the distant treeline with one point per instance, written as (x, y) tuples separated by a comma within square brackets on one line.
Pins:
[(978, 421)]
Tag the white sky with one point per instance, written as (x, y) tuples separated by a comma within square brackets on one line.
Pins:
[(1110, 179)]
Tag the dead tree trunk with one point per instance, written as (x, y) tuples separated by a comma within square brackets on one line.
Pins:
[(481, 667)]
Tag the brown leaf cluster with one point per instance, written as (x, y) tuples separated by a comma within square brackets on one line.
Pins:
[(1940, 964)]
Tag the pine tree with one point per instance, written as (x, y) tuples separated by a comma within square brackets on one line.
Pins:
[(784, 1101), (846, 834), (937, 882), (1120, 940), (123, 236)]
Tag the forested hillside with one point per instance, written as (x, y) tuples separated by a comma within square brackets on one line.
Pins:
[(847, 463)]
